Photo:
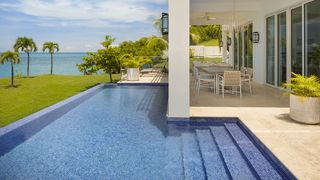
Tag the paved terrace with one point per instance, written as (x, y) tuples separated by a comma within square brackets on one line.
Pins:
[(266, 113), (153, 77)]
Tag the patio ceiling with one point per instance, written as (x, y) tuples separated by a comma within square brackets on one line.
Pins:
[(204, 12)]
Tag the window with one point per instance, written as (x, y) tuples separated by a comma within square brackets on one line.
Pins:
[(312, 38), (282, 48), (296, 40), (270, 49)]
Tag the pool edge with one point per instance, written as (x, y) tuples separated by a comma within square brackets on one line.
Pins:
[(29, 118)]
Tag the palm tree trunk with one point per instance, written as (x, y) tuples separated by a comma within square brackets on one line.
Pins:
[(110, 75), (12, 74), (51, 63), (28, 64)]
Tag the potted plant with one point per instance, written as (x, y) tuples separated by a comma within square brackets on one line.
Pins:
[(133, 65), (304, 99)]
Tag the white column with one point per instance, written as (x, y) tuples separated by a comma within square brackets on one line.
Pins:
[(224, 47), (179, 22)]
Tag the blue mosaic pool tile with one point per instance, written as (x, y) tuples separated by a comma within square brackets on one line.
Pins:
[(237, 166), (213, 162), (263, 168), (191, 157), (174, 166), (121, 132)]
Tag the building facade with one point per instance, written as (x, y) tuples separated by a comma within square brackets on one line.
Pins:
[(273, 37)]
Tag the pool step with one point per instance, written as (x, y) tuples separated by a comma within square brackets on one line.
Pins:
[(259, 163), (218, 152), (235, 162), (192, 161), (212, 160), (174, 166)]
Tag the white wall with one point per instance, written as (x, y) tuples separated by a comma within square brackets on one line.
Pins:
[(206, 51), (179, 58)]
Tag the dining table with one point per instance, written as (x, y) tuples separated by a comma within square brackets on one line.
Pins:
[(200, 64), (214, 70)]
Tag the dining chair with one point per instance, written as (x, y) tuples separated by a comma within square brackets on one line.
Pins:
[(204, 80), (247, 78), (230, 79)]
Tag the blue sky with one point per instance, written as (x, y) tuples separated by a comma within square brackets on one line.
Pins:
[(77, 25)]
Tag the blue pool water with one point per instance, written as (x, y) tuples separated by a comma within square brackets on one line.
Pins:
[(64, 63), (122, 133)]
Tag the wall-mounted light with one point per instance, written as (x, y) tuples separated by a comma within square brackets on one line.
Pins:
[(221, 43), (229, 41), (255, 37), (165, 24)]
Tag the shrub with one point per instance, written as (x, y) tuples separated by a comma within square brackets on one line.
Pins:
[(304, 86)]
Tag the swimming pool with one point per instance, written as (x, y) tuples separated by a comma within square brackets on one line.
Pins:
[(121, 132)]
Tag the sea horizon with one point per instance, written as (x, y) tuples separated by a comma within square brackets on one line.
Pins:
[(64, 63)]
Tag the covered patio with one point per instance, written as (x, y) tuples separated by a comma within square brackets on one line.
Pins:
[(266, 111), (262, 96)]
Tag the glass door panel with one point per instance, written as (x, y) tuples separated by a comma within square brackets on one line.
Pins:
[(270, 50), (236, 50), (282, 48), (296, 40), (312, 38)]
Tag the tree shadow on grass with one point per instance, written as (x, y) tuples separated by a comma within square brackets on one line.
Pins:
[(26, 77), (14, 86)]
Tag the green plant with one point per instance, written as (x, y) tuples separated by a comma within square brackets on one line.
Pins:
[(104, 59), (27, 45), (89, 64), (130, 61), (304, 86), (12, 58), (52, 47), (191, 53)]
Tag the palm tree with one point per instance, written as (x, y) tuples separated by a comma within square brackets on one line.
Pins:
[(157, 42), (13, 58), (27, 45), (52, 47)]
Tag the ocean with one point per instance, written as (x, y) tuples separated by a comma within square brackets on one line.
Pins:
[(63, 63)]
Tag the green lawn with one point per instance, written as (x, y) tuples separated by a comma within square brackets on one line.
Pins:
[(212, 42), (35, 93)]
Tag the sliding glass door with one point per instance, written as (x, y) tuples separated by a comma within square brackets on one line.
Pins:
[(312, 38), (236, 50), (305, 43), (270, 49), (240, 50), (248, 47), (282, 48), (296, 40)]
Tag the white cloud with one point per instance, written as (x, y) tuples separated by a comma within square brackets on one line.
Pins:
[(92, 13)]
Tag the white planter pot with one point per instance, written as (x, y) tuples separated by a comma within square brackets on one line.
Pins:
[(133, 74), (305, 109)]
